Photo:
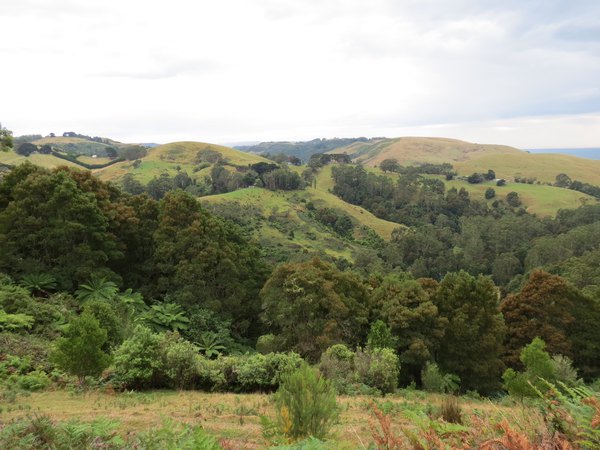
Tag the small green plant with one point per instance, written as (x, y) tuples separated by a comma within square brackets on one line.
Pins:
[(305, 406), (434, 380), (210, 345)]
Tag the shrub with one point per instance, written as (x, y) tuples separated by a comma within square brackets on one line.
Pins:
[(252, 372), (137, 362), (337, 363), (80, 352), (378, 368), (180, 361), (305, 405), (434, 380), (490, 193), (33, 381)]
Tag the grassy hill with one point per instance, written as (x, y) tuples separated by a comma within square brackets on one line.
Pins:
[(173, 157), (467, 158), (282, 221), (77, 146)]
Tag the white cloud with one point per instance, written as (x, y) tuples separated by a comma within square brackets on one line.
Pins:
[(291, 69)]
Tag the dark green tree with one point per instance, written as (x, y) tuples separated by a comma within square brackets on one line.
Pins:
[(49, 225), (313, 305), (490, 193), (202, 261), (472, 343), (406, 307), (389, 165)]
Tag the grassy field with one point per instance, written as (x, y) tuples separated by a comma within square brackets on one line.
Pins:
[(543, 166), (48, 161), (539, 199), (235, 417)]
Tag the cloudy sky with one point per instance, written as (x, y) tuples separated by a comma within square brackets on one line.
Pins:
[(519, 72)]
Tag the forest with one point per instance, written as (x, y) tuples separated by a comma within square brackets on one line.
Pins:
[(101, 288)]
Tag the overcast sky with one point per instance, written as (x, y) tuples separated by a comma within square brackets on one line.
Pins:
[(519, 72)]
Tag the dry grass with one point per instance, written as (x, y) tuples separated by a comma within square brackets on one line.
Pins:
[(236, 417), (467, 158)]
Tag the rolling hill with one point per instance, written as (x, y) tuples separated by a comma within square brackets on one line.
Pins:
[(173, 157), (467, 158)]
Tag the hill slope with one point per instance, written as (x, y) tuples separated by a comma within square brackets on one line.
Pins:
[(173, 157), (467, 158)]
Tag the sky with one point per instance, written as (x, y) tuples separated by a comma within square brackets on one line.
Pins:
[(518, 72)]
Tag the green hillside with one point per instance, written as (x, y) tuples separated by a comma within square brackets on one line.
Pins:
[(175, 156), (467, 158), (540, 199), (48, 161)]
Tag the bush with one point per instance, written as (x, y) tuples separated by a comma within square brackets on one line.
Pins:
[(305, 405), (33, 381), (434, 380), (378, 368), (337, 363), (138, 363), (180, 359)]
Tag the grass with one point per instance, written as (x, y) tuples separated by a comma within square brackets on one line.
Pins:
[(539, 199), (235, 417), (542, 166), (467, 158), (47, 161), (167, 158)]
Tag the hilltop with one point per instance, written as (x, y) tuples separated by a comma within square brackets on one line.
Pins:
[(301, 149)]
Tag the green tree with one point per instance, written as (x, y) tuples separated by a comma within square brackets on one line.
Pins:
[(39, 284), (389, 165), (490, 193), (205, 262), (512, 198), (380, 336), (166, 317), (407, 308), (80, 352), (305, 405), (472, 343), (312, 305), (539, 368), (48, 224), (550, 308), (563, 180), (108, 319), (6, 139)]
